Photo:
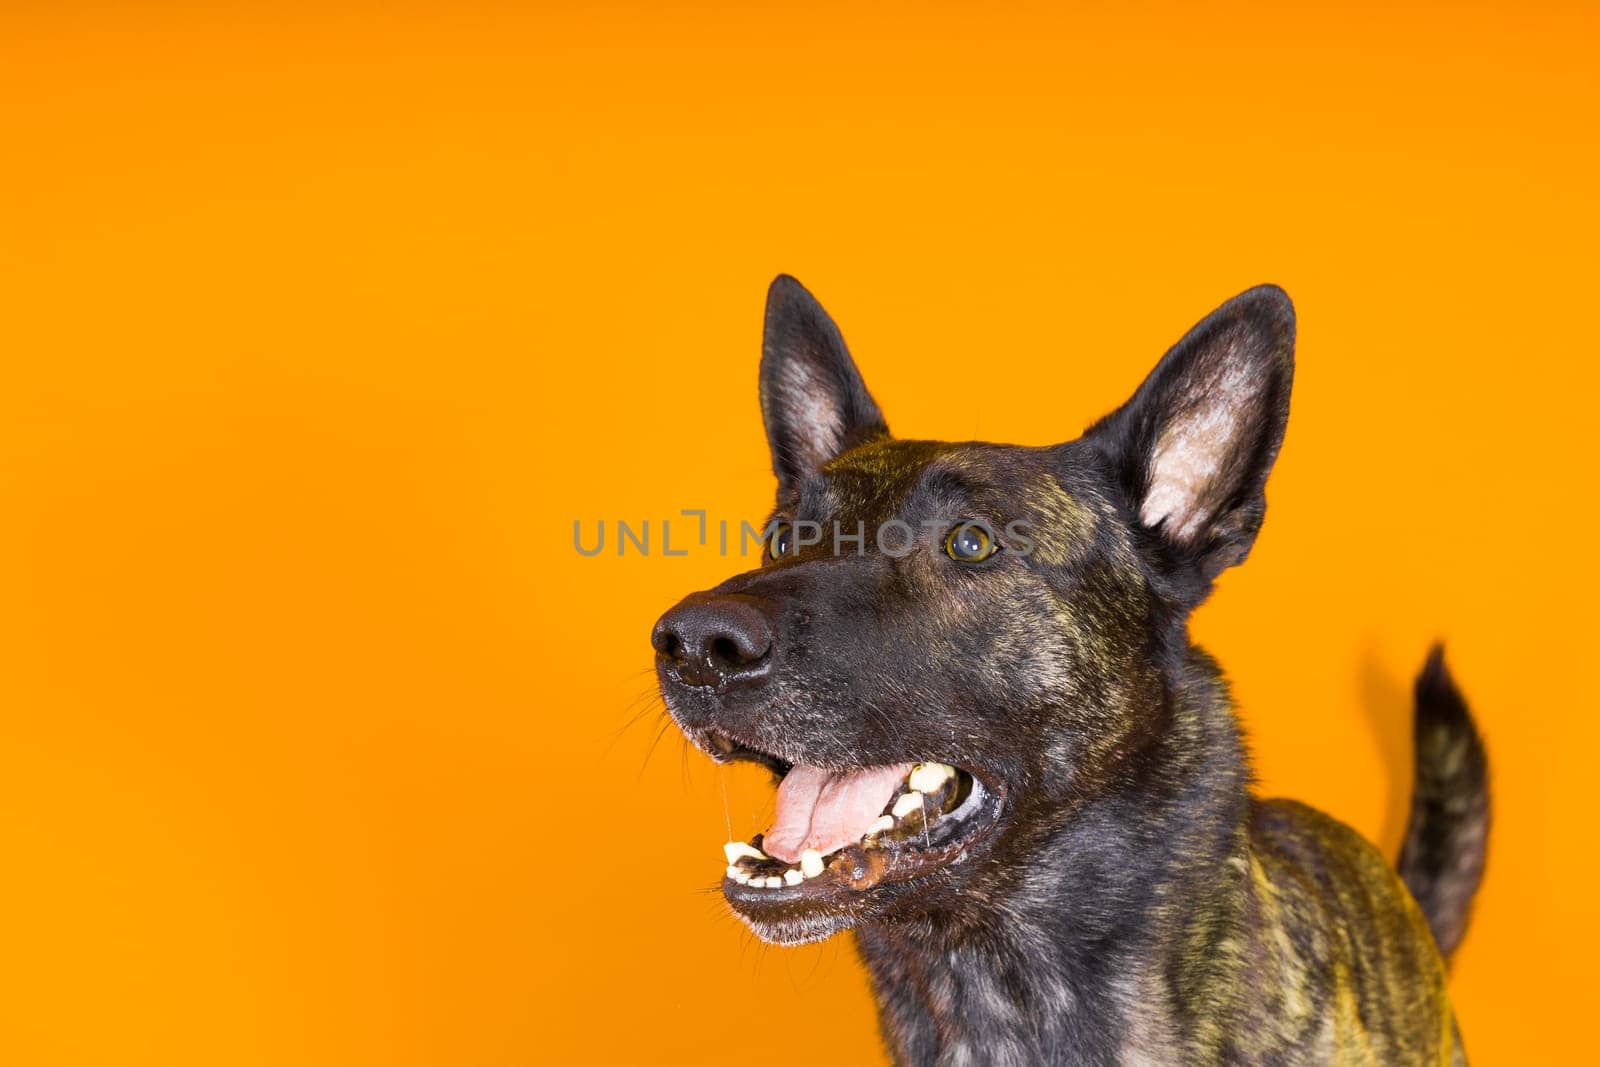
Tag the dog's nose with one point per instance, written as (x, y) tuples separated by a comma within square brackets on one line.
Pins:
[(714, 640)]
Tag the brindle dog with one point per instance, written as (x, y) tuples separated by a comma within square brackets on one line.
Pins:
[(1003, 763)]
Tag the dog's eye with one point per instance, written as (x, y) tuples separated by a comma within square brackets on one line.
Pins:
[(969, 543), (781, 542)]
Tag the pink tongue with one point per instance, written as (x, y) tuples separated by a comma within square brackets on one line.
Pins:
[(825, 810)]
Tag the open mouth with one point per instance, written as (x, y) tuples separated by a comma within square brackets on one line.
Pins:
[(840, 834)]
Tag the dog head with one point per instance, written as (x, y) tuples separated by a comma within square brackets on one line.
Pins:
[(950, 648)]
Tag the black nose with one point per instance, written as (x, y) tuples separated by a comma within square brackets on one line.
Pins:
[(714, 640)]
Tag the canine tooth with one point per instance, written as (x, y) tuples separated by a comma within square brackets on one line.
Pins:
[(774, 883), (742, 878), (734, 872), (811, 863), (928, 777), (793, 877), (734, 850), (882, 824), (908, 803)]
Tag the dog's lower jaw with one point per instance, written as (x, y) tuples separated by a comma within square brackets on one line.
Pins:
[(799, 931)]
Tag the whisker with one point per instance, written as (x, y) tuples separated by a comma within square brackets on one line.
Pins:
[(646, 703), (651, 751), (727, 812)]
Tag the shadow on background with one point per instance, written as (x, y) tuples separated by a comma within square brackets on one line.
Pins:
[(1386, 703)]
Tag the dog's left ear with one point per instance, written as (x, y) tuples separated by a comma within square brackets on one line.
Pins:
[(1193, 448), (813, 400)]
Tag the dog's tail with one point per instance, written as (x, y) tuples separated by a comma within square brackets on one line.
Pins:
[(1447, 836)]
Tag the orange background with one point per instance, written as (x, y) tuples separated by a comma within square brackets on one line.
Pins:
[(321, 327)]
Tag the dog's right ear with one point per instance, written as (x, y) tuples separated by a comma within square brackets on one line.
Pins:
[(813, 400)]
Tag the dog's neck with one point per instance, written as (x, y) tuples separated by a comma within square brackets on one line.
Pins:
[(1065, 964)]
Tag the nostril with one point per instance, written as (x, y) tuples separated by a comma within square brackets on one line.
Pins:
[(724, 652), (664, 639), (728, 652)]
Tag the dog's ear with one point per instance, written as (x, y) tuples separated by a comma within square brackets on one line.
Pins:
[(1193, 448), (813, 400)]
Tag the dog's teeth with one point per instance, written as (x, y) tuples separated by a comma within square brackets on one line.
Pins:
[(811, 863), (908, 803), (793, 877), (734, 850), (734, 872), (928, 777), (774, 883), (881, 825), (742, 877)]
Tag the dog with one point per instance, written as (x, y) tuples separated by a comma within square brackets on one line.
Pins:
[(1002, 762)]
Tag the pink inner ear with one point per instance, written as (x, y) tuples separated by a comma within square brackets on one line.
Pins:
[(1191, 466), (814, 410)]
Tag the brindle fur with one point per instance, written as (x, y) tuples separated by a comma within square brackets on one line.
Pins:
[(1136, 904)]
